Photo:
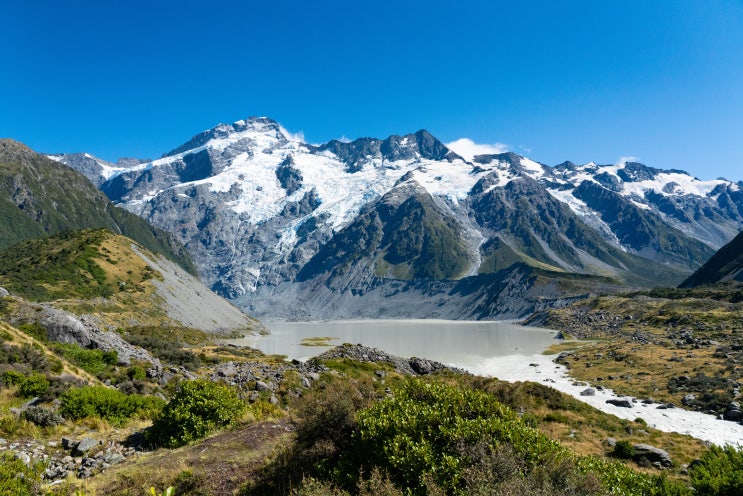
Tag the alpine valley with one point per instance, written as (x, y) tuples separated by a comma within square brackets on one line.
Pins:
[(406, 227)]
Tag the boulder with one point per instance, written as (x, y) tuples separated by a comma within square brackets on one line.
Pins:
[(652, 455), (421, 366), (733, 415), (85, 445), (64, 327), (588, 392), (620, 402)]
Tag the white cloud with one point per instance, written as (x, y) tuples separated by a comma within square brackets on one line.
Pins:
[(624, 160), (467, 149), (298, 136)]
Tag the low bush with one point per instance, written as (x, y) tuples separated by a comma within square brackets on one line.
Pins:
[(19, 479), (432, 436), (719, 472), (136, 373), (33, 385), (42, 416), (92, 361), (623, 450), (106, 403), (198, 408), (13, 378), (169, 351), (24, 357)]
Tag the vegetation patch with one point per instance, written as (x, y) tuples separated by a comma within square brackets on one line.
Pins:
[(106, 403), (198, 408), (318, 341)]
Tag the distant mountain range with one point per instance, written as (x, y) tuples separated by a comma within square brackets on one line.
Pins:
[(406, 227)]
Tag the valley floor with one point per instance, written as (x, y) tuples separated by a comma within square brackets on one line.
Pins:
[(542, 369)]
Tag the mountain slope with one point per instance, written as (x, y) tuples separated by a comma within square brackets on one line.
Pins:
[(259, 209), (95, 169), (119, 281), (725, 265), (39, 196)]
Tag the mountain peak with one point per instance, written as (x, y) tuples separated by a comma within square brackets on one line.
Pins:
[(263, 125), (11, 149)]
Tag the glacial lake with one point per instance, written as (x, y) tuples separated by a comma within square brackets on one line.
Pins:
[(493, 349), (465, 344)]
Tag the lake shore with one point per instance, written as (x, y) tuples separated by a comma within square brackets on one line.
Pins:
[(503, 350), (540, 368)]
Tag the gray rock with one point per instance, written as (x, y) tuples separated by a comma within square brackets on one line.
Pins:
[(652, 454), (588, 392), (261, 386), (421, 366), (114, 458), (306, 382), (85, 445), (4, 293), (620, 402), (733, 415), (64, 327), (273, 400)]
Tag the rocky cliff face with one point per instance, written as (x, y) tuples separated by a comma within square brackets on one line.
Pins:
[(261, 211)]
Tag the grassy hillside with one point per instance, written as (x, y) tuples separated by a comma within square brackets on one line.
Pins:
[(97, 272), (40, 197), (663, 344)]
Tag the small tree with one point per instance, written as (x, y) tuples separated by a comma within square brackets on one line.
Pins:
[(198, 408)]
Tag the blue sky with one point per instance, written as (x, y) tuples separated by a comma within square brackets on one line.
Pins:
[(580, 80)]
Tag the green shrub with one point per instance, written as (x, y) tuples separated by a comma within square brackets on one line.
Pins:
[(25, 357), (623, 450), (17, 478), (719, 472), (136, 373), (92, 361), (13, 378), (167, 350), (33, 385), (422, 429), (197, 408), (111, 357), (35, 330), (106, 403), (437, 437)]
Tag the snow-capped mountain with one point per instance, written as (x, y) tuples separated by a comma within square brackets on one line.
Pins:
[(94, 168), (266, 215)]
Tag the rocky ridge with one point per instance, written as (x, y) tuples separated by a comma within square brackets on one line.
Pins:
[(260, 209)]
